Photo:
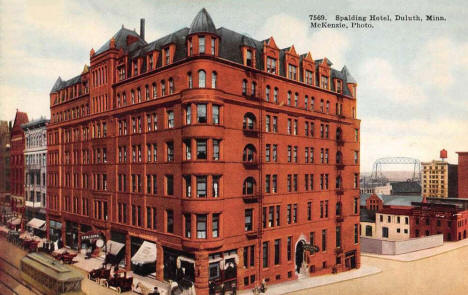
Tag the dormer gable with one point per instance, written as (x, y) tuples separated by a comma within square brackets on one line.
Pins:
[(308, 69), (323, 77), (271, 55), (291, 63)]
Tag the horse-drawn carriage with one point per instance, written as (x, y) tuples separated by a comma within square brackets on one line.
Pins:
[(13, 237), (119, 281), (98, 274)]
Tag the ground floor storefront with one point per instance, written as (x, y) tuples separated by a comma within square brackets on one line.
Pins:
[(217, 270)]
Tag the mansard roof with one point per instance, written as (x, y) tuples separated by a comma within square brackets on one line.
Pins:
[(347, 75), (60, 84), (202, 23), (121, 40), (230, 43)]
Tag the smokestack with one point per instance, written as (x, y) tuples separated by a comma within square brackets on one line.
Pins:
[(142, 28)]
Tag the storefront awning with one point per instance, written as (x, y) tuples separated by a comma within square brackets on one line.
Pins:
[(36, 223), (146, 253), (15, 221), (114, 247)]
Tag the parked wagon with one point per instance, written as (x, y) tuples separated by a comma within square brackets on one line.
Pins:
[(119, 282)]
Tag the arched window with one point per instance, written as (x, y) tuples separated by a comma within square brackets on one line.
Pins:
[(244, 87), (339, 157), (249, 153), (267, 93), (214, 77), (338, 208), (249, 121), (254, 88), (163, 88), (190, 80), (289, 98), (275, 95), (201, 79), (339, 183), (249, 186), (133, 95), (339, 134), (171, 86)]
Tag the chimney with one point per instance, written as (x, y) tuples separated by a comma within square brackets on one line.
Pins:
[(142, 28)]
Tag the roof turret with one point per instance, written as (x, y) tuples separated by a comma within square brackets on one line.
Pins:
[(202, 23)]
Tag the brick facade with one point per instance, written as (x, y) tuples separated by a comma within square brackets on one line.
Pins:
[(462, 174), (221, 156)]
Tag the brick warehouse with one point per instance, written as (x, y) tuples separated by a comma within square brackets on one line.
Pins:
[(228, 153)]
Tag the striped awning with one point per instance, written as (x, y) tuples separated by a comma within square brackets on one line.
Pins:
[(114, 247), (36, 223), (146, 254)]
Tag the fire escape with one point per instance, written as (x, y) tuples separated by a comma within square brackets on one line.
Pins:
[(339, 165)]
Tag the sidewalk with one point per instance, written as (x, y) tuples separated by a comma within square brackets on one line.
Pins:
[(307, 283), (417, 255), (96, 262)]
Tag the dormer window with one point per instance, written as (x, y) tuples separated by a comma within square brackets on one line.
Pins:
[(201, 45), (324, 82), (271, 65), (339, 88), (309, 77), (213, 46), (292, 72), (248, 59), (150, 62), (135, 67), (167, 55)]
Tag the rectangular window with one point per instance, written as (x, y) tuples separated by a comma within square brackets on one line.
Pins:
[(324, 240), (265, 254), (215, 184), (338, 237), (275, 153), (201, 226), (215, 149), (215, 113), (170, 151), (169, 185), (277, 215), (169, 221), (201, 45), (356, 235), (267, 152), (277, 251), (201, 186), (201, 113), (170, 119), (248, 219), (215, 226), (188, 115), (309, 210), (201, 149), (288, 216), (289, 249), (271, 65), (274, 184)]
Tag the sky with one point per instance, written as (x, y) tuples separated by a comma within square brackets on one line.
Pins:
[(412, 76)]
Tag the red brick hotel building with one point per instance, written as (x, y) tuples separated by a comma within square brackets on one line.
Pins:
[(231, 155)]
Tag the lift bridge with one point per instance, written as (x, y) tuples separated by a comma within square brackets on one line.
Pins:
[(377, 177)]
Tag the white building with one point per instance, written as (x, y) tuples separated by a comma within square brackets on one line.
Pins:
[(35, 173), (392, 223)]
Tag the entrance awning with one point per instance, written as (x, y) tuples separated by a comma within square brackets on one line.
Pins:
[(114, 247), (36, 223), (146, 254), (15, 221)]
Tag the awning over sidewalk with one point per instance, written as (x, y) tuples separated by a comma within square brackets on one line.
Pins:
[(14, 221), (36, 223), (146, 254), (114, 247)]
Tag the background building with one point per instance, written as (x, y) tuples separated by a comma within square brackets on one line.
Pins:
[(35, 155), (462, 174), (229, 154), (17, 165), (4, 157), (439, 179)]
